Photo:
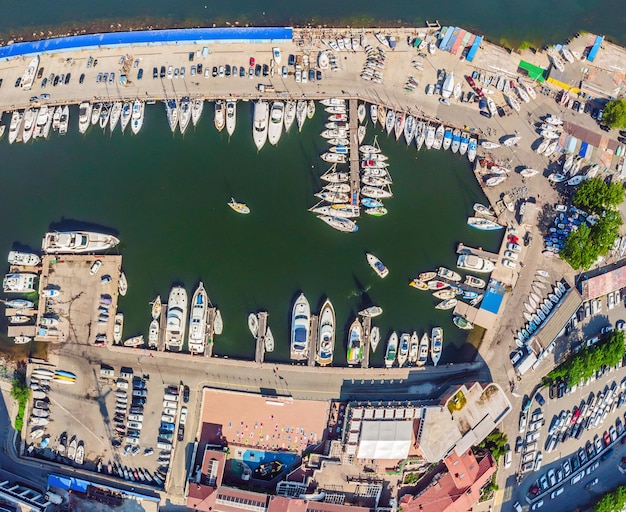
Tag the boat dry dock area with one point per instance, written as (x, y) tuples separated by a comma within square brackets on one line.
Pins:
[(86, 302)]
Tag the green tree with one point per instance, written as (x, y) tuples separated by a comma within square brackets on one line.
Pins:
[(595, 195), (612, 502), (21, 393), (579, 250), (615, 114), (496, 443)]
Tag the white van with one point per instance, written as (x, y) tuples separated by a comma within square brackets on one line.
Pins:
[(172, 398), (132, 440), (164, 446), (169, 405)]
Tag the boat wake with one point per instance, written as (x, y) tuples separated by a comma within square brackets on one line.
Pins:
[(359, 293)]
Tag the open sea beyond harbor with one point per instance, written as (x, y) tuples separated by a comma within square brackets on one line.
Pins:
[(506, 23), (167, 196)]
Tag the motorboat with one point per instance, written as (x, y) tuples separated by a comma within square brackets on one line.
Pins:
[(392, 350), (197, 105), (310, 109), (369, 202), (239, 207), (19, 319), (176, 319), (300, 328), (414, 347), (80, 454), (219, 116), (290, 114), (420, 285), (446, 273), (462, 323), (268, 340), (550, 134), (376, 212), (447, 303), (403, 352), (554, 120), (464, 145), (136, 119), (436, 344), (377, 265), (471, 149), (475, 263), (474, 281), (439, 134), (153, 334), (437, 284), (355, 343), (122, 284), (231, 116), (276, 122), (456, 140), (374, 338), (430, 136), (253, 325), (118, 327), (372, 311), (75, 242), (184, 114), (576, 180), (127, 111), (423, 350), (447, 139), (326, 335), (334, 158), (427, 276), (260, 120), (197, 320), (30, 118), (340, 223), (483, 224), (105, 114), (135, 341), (23, 259), (156, 308)]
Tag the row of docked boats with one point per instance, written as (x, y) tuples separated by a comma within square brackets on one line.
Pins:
[(199, 321), (447, 287), (268, 119), (542, 300), (34, 123), (565, 221), (484, 219), (180, 113), (109, 114), (303, 340), (421, 133), (410, 349)]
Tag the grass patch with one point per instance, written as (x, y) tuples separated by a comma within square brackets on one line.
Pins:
[(21, 393)]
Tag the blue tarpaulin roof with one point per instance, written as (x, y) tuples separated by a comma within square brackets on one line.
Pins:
[(472, 53), (583, 149), (493, 297), (68, 483), (446, 36), (594, 49), (151, 37)]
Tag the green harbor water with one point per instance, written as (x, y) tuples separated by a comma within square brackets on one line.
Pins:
[(166, 196)]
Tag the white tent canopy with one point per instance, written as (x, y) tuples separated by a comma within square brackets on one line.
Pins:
[(389, 440)]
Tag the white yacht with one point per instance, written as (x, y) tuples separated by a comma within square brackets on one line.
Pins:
[(42, 120), (300, 328), (197, 320), (15, 125), (76, 242), (196, 110), (176, 319), (30, 117), (326, 335), (276, 122), (24, 259), (96, 110), (475, 263), (448, 85), (116, 112), (127, 111), (65, 120), (290, 114), (301, 113), (29, 75), (261, 112), (171, 110), (84, 116), (137, 116), (220, 115), (19, 283), (185, 114), (231, 116)]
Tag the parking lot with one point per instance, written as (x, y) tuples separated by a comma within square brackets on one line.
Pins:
[(127, 423)]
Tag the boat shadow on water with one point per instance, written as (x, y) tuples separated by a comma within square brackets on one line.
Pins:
[(79, 225)]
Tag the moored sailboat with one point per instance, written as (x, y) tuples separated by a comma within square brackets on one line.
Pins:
[(436, 344)]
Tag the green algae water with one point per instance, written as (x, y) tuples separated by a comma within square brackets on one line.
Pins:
[(166, 196), (508, 23)]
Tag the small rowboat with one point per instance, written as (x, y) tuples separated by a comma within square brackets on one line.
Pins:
[(239, 207)]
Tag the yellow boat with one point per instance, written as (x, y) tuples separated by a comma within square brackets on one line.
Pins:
[(239, 207), (420, 285)]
